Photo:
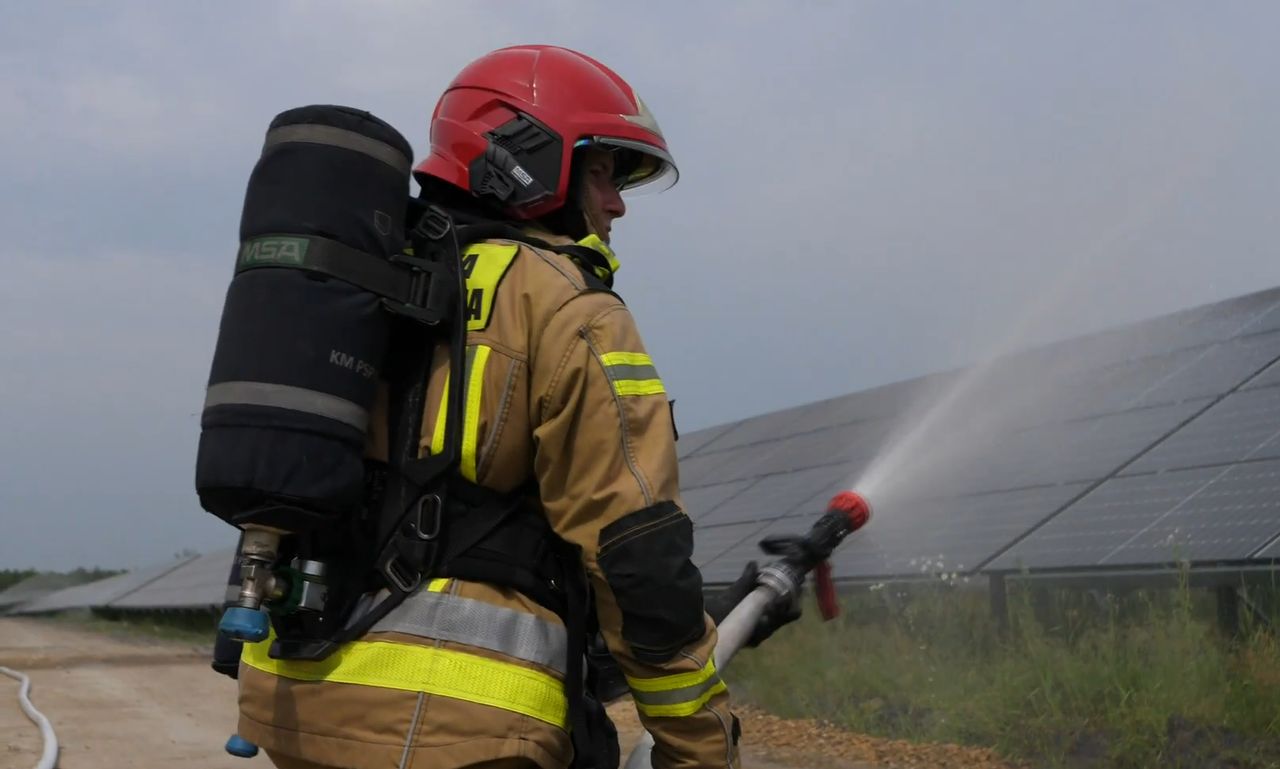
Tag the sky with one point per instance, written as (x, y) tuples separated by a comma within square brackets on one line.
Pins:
[(870, 191)]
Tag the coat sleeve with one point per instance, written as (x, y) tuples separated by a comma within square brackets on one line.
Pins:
[(606, 465)]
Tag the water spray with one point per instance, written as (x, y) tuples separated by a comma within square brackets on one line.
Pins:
[(782, 580)]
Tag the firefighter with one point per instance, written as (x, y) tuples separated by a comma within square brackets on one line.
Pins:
[(567, 423)]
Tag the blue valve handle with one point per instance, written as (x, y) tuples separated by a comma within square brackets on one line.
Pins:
[(239, 746), (241, 624)]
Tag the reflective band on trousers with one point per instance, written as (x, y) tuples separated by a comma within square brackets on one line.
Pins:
[(476, 623), (287, 397), (679, 695), (442, 672)]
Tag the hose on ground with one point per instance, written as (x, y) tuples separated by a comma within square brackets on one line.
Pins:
[(50, 756)]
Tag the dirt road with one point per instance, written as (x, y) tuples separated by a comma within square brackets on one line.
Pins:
[(115, 704), (134, 704)]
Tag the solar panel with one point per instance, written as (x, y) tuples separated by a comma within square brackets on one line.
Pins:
[(1270, 551), (709, 543), (1244, 425), (1218, 368), (1195, 327), (774, 496), (698, 502), (945, 534), (1005, 460), (691, 443), (99, 594), (1204, 514), (34, 588), (1262, 310), (869, 406), (198, 583), (850, 445), (1049, 454)]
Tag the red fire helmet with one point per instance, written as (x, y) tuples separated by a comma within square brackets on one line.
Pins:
[(507, 126)]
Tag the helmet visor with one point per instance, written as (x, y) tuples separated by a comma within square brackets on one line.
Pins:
[(638, 168)]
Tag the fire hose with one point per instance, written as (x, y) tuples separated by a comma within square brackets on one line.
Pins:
[(50, 756), (782, 580)]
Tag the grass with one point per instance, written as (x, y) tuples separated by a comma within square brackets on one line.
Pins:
[(197, 628), (1078, 680)]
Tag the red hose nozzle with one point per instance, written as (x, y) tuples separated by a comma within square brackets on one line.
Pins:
[(854, 505), (852, 512)]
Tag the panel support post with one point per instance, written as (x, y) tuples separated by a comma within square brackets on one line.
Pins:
[(1228, 610), (999, 601)]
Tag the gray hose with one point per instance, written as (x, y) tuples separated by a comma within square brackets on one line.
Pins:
[(733, 634), (49, 758)]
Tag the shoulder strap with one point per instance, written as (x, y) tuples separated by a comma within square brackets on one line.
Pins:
[(584, 258)]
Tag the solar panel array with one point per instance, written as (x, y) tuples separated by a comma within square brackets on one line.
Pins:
[(1151, 444), (34, 588), (1140, 446), (100, 593), (185, 583), (200, 582)]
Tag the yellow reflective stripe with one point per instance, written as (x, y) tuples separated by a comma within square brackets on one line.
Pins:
[(674, 696), (438, 585), (471, 423), (626, 359), (632, 374), (629, 387), (674, 681), (483, 266), (443, 672), (442, 415), (681, 709)]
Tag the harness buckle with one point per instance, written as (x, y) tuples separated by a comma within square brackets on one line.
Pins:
[(429, 518), (405, 579), (434, 224)]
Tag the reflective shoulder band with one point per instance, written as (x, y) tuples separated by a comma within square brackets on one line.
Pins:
[(511, 632), (442, 672), (632, 373), (287, 397), (682, 694), (311, 133)]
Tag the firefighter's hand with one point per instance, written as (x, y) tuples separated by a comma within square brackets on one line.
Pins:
[(780, 612)]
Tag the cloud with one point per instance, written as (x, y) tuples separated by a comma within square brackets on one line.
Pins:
[(868, 193)]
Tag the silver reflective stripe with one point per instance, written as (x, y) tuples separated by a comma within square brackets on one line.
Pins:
[(465, 620), (676, 696), (620, 371), (339, 137), (287, 397)]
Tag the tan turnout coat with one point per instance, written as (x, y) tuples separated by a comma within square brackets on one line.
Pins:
[(561, 392)]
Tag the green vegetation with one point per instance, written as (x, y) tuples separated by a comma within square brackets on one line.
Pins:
[(80, 576), (1078, 679), (10, 577), (193, 627)]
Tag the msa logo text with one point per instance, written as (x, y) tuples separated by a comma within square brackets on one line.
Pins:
[(352, 363), (267, 251)]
